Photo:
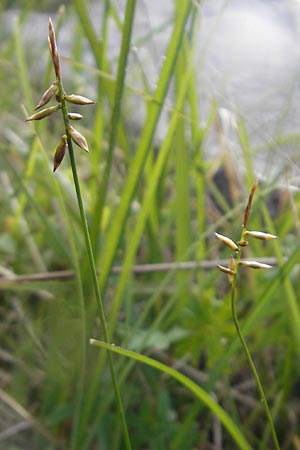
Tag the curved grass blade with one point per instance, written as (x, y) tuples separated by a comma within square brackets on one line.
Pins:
[(200, 393)]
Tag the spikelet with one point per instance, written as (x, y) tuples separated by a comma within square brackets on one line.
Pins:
[(78, 99), (260, 235), (78, 138), (60, 152), (44, 113), (254, 264), (47, 95), (225, 270), (227, 241)]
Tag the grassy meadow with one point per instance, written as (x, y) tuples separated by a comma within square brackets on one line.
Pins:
[(152, 207)]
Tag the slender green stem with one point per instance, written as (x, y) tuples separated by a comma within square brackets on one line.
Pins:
[(245, 346), (93, 266)]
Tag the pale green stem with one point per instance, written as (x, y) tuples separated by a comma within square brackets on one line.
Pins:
[(245, 346)]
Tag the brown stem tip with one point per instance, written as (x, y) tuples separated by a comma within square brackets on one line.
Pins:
[(53, 49), (248, 207)]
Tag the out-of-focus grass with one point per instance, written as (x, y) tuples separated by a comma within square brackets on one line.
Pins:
[(158, 207)]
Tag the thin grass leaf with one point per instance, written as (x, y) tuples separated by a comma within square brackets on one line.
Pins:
[(116, 229), (149, 197), (200, 393)]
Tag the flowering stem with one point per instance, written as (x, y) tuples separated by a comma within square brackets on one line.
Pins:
[(92, 264), (243, 341)]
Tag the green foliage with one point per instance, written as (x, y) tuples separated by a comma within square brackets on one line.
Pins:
[(146, 203)]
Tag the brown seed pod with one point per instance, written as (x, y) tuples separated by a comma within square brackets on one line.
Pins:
[(47, 95), (78, 138), (78, 99), (60, 152), (44, 113)]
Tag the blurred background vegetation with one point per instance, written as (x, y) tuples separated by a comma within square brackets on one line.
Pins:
[(162, 204)]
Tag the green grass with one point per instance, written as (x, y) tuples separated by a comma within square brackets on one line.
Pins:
[(145, 204)]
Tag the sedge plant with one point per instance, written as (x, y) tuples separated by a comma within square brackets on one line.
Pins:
[(72, 135), (232, 271)]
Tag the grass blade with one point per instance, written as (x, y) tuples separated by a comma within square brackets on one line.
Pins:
[(202, 395)]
